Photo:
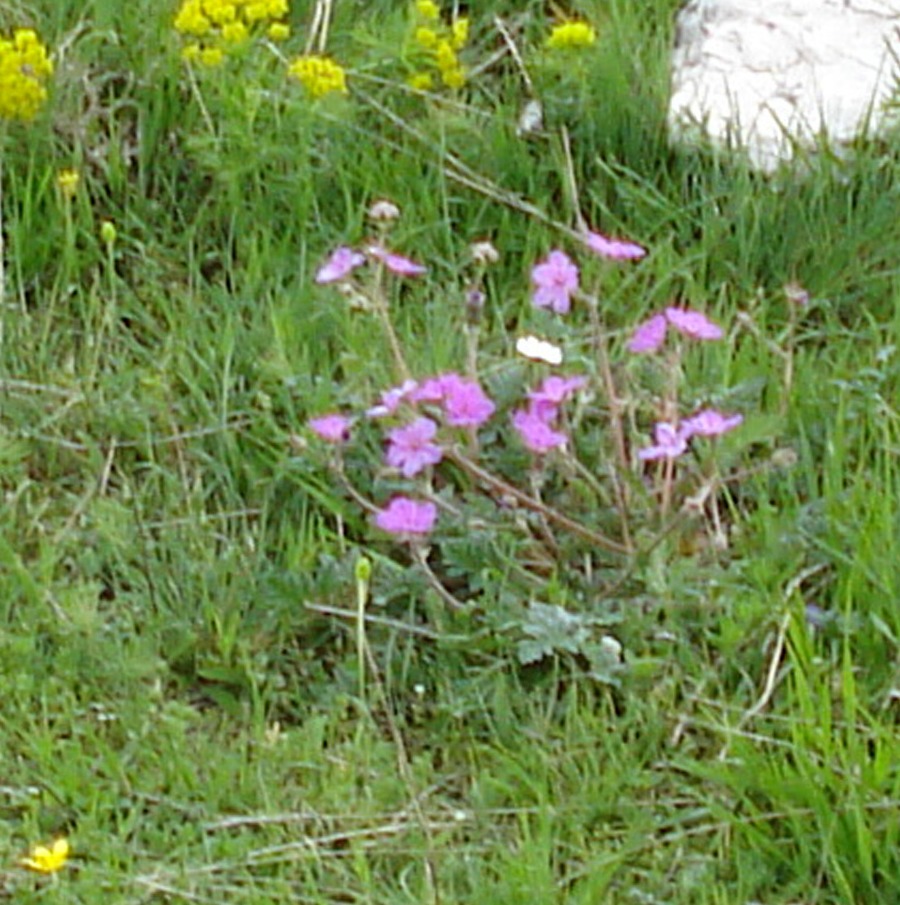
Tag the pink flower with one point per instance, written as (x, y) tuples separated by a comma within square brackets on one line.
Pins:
[(709, 423), (547, 398), (391, 399), (408, 517), (670, 443), (410, 448), (693, 323), (536, 433), (397, 264), (343, 260), (555, 279), (465, 403), (333, 428), (615, 249), (649, 335), (434, 389)]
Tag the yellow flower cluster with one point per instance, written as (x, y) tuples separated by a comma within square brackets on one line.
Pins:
[(569, 35), (440, 45), (319, 75), (219, 25), (24, 70)]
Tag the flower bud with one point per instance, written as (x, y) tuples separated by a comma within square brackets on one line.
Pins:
[(484, 253), (383, 211)]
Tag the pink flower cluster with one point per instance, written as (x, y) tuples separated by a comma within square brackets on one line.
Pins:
[(671, 440), (344, 260), (413, 447), (651, 334), (535, 424)]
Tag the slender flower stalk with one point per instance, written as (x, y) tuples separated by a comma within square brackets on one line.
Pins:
[(551, 514)]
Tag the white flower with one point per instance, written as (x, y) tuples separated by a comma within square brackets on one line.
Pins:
[(539, 350)]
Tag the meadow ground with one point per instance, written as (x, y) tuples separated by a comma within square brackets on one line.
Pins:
[(598, 677)]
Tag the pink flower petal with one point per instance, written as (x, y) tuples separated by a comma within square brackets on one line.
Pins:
[(614, 249), (391, 399), (710, 423), (331, 428), (397, 264), (339, 265), (649, 335), (536, 433), (693, 323), (670, 443)]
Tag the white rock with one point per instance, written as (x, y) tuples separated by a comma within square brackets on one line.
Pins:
[(771, 75)]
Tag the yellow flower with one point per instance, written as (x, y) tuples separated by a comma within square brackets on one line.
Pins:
[(47, 859), (234, 33), (278, 31), (319, 75), (459, 33), (24, 69), (421, 81), (453, 78), (445, 56), (190, 19), (428, 9), (426, 37), (220, 12), (67, 182), (211, 56), (571, 34)]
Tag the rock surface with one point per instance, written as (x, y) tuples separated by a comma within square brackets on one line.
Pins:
[(774, 75)]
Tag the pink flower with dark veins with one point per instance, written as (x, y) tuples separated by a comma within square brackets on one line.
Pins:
[(614, 249), (670, 443), (649, 335), (710, 423), (339, 265), (536, 433), (411, 448), (693, 324), (401, 266), (331, 428), (406, 517), (555, 280)]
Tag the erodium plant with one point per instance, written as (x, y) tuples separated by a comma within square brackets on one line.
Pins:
[(585, 464)]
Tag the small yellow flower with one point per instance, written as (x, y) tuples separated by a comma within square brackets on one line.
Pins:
[(568, 35), (67, 182), (234, 33), (190, 53), (319, 75), (211, 56), (459, 33), (278, 31), (445, 56), (426, 37), (453, 78), (421, 81), (47, 859), (428, 9)]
